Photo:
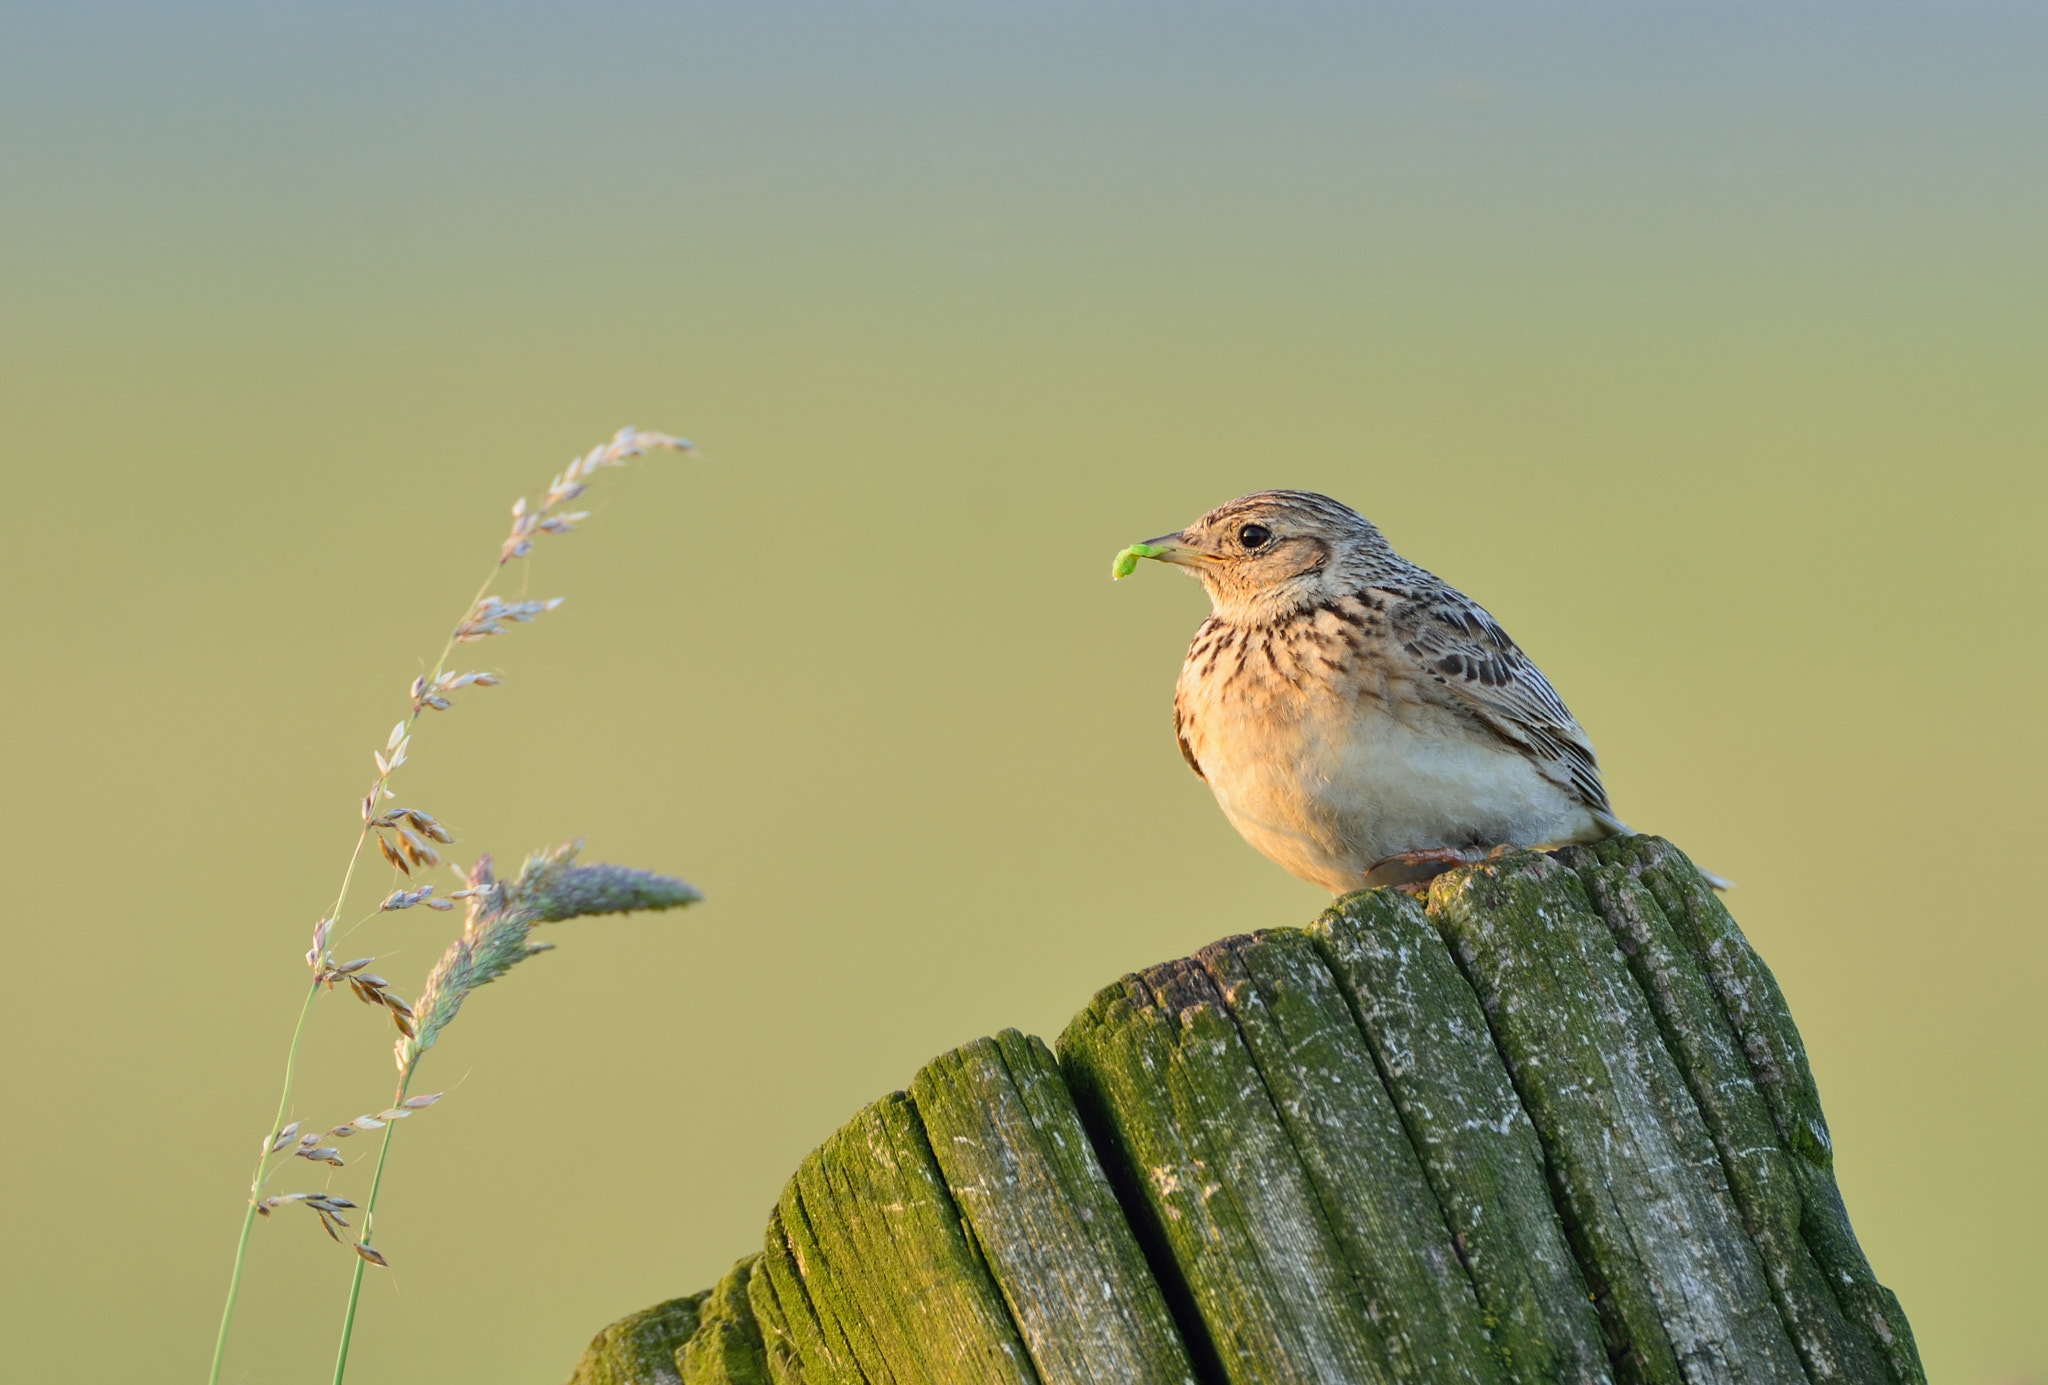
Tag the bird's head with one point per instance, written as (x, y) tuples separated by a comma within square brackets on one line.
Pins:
[(1269, 553)]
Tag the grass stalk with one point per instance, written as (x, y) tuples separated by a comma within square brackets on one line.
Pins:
[(355, 1284), (227, 1314), (485, 615), (498, 935), (284, 1099)]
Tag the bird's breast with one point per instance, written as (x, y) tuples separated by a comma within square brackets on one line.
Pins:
[(1329, 761), (1265, 717)]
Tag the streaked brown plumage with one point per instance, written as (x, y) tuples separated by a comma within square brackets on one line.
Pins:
[(1359, 720)]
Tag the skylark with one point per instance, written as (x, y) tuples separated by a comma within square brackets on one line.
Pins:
[(1361, 721)]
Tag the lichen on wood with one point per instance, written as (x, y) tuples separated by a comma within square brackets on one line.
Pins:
[(1554, 1128), (1037, 1204), (873, 1245), (1175, 1103), (1637, 1181), (1368, 1181), (1760, 1173), (1430, 1040), (1641, 882)]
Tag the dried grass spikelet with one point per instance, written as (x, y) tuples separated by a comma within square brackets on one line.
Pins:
[(289, 1142), (406, 899), (411, 830), (383, 1118), (574, 480), (369, 987), (434, 694), (316, 954), (328, 1207), (489, 616), (309, 1147), (497, 935)]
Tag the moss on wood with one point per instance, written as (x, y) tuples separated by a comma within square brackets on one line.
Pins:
[(784, 1337), (875, 1249), (1679, 1286), (1175, 1101), (1480, 1153), (1759, 1021), (640, 1348), (1034, 1198), (1760, 1171), (726, 1348), (1368, 1182), (1557, 1127)]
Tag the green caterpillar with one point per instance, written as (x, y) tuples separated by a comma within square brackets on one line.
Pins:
[(1127, 561)]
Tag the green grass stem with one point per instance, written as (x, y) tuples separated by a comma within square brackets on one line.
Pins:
[(355, 1284), (284, 1098)]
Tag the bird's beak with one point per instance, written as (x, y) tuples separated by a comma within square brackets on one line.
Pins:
[(1167, 548), (1175, 548)]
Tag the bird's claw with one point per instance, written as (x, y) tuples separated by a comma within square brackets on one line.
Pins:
[(1413, 870)]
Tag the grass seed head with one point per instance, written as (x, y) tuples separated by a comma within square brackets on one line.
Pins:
[(572, 482), (549, 888)]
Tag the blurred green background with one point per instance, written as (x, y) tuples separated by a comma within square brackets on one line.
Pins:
[(1704, 345)]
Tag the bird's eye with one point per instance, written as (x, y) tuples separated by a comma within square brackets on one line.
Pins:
[(1252, 535)]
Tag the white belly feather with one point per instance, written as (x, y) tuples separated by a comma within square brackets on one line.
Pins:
[(1330, 784)]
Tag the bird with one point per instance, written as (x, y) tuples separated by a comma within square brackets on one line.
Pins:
[(1361, 721)]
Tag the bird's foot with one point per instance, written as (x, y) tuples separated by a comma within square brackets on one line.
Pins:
[(1411, 871)]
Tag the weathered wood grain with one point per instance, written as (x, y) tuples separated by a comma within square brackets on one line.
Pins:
[(874, 1246), (1038, 1206), (1557, 1128), (1756, 1014), (1680, 1288), (726, 1348), (1476, 1144), (790, 1332), (1177, 1108), (1364, 1173), (1758, 1167)]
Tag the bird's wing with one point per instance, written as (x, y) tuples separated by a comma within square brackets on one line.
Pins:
[(1461, 648)]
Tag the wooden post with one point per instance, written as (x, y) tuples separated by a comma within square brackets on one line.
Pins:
[(1484, 1163), (1554, 1125)]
